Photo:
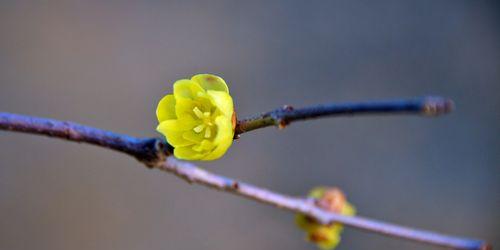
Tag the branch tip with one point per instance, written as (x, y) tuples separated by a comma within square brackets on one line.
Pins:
[(434, 106)]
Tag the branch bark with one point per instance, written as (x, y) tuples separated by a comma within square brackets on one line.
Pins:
[(155, 153), (427, 106)]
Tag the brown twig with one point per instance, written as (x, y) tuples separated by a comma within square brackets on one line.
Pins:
[(156, 154), (427, 106)]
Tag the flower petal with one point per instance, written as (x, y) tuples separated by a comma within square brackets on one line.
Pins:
[(171, 130), (184, 124), (348, 209), (192, 136), (211, 82), (207, 145), (222, 101), (187, 153), (204, 146), (224, 129), (317, 192), (223, 139), (185, 107), (186, 89), (166, 108), (188, 122), (325, 237), (305, 223)]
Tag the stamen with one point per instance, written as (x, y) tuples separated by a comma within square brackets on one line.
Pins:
[(208, 132), (198, 112), (199, 128), (206, 114)]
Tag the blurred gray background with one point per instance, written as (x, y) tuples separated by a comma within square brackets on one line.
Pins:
[(107, 63)]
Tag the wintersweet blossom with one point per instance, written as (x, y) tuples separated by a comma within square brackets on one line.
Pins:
[(198, 119), (332, 200)]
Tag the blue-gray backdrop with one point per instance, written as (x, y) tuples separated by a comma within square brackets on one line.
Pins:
[(107, 63)]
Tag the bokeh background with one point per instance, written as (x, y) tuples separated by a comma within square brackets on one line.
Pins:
[(107, 63)]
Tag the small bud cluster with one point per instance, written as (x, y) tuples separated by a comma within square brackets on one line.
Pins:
[(332, 200)]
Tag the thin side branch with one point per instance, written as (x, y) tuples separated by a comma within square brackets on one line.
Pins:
[(193, 174), (155, 154), (427, 106)]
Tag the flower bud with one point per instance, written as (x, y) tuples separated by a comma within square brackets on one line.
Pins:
[(331, 200)]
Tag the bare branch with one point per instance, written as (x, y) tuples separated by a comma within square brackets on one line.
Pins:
[(193, 174), (154, 153), (428, 106), (144, 149)]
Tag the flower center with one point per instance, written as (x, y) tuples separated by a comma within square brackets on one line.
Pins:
[(206, 122)]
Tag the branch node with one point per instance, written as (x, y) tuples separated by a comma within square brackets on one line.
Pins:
[(287, 108), (152, 152), (235, 185), (282, 123)]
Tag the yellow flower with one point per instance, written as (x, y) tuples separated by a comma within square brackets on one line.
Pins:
[(332, 200), (198, 120)]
